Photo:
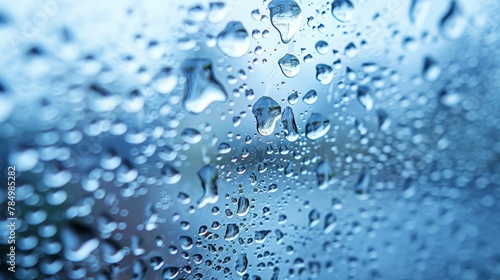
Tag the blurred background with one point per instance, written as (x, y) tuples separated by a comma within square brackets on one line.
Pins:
[(165, 139)]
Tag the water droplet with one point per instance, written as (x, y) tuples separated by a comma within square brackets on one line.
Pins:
[(290, 65), (365, 98), (310, 97), (314, 218), (234, 40), (431, 69), (260, 235), (317, 126), (363, 185), (450, 98), (330, 222), (232, 231), (170, 175), (419, 10), (208, 176), (24, 160), (324, 174), (289, 125), (383, 120), (78, 242), (202, 88), (243, 206), (170, 272), (165, 81), (191, 136), (342, 10), (453, 23), (217, 12), (241, 264), (267, 112), (351, 51), (293, 98), (322, 47), (286, 17), (324, 74)]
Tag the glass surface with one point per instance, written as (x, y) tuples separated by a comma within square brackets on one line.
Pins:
[(166, 139)]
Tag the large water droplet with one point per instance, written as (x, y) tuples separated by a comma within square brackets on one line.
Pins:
[(208, 176), (317, 126), (453, 23), (202, 88), (267, 112), (290, 65), (286, 17), (232, 231), (243, 206), (241, 264), (289, 125), (234, 40), (343, 10)]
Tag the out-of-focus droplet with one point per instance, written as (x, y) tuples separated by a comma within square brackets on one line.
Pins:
[(324, 74), (342, 10), (286, 17), (365, 98), (289, 125), (314, 217), (267, 112), (191, 136), (317, 126), (289, 65), (217, 12), (208, 176), (362, 187), (324, 174), (234, 40), (202, 88), (431, 69), (450, 98), (351, 51), (453, 23), (170, 175), (419, 10), (170, 273), (165, 80), (78, 242)]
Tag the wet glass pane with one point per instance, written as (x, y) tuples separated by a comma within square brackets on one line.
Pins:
[(233, 139)]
